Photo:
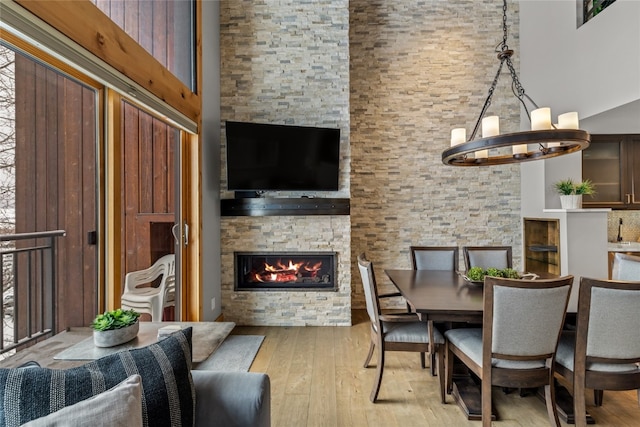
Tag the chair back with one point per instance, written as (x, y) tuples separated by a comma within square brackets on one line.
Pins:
[(524, 318), (434, 258), (609, 312), (370, 289), (626, 267), (487, 256), (170, 279)]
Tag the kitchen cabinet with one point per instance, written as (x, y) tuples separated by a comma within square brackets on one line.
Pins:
[(612, 162)]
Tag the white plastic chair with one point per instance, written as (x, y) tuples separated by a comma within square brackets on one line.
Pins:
[(149, 299)]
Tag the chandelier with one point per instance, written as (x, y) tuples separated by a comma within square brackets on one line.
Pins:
[(546, 139)]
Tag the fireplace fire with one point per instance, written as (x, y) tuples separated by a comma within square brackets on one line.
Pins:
[(285, 271)]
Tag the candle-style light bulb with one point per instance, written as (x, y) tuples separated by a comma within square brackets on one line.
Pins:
[(458, 136)]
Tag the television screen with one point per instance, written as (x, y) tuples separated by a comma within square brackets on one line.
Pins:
[(263, 157)]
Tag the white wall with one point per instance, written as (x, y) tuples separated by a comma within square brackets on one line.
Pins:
[(592, 69), (595, 70), (211, 160)]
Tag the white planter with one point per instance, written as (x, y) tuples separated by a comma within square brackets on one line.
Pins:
[(571, 201), (114, 337)]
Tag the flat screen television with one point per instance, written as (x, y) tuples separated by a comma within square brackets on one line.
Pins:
[(271, 157)]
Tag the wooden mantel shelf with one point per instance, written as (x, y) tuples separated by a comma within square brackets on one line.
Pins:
[(261, 206)]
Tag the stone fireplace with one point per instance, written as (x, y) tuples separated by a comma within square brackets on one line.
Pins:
[(309, 234)]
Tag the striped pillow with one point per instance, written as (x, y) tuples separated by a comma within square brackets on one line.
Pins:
[(168, 394)]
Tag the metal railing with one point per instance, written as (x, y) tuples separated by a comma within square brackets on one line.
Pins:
[(28, 273)]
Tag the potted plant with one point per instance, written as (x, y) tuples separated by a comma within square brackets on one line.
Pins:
[(571, 192), (115, 327)]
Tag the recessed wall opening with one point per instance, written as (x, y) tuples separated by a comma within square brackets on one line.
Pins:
[(285, 271)]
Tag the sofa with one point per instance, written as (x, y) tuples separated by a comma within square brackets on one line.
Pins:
[(232, 399), (153, 386)]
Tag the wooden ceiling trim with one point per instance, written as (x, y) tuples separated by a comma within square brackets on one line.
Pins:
[(104, 39)]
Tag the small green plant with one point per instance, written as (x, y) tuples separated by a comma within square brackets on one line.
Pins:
[(567, 187), (477, 273), (585, 187), (115, 319)]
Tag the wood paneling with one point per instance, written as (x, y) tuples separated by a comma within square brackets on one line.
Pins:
[(106, 40), (148, 182), (56, 178)]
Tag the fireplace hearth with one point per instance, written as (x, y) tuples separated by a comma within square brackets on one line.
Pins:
[(284, 271)]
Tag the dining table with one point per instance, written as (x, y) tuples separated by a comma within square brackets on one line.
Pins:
[(446, 297)]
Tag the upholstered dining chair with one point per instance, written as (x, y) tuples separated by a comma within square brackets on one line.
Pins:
[(139, 295), (396, 331), (433, 258), (626, 267), (487, 256), (603, 353), (515, 348)]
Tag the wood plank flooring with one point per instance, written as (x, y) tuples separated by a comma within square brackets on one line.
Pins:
[(317, 379)]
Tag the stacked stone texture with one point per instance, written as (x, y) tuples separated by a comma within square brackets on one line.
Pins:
[(396, 77)]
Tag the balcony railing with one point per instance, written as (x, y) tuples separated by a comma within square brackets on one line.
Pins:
[(590, 8), (28, 272)]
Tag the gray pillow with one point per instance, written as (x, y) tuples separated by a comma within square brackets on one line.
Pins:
[(119, 407), (168, 394)]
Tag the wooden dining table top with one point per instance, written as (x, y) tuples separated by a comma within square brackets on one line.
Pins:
[(445, 295)]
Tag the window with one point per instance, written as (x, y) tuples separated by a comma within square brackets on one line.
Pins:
[(590, 8)]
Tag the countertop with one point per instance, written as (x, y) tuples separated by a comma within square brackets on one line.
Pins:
[(624, 247)]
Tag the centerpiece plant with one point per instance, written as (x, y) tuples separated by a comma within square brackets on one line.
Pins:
[(477, 274), (115, 327), (115, 319)]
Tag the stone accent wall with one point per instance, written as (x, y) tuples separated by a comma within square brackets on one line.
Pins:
[(396, 76), (287, 62), (418, 70)]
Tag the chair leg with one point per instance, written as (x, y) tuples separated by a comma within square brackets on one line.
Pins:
[(423, 361), (441, 375), (449, 368), (371, 347), (579, 403), (550, 400), (486, 402), (598, 397), (433, 363), (378, 380)]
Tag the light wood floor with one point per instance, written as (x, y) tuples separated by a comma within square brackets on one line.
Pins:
[(317, 379)]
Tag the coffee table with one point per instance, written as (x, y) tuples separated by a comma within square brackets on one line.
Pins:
[(74, 346)]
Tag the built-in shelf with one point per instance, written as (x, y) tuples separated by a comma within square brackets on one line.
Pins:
[(543, 248), (261, 206), (541, 237)]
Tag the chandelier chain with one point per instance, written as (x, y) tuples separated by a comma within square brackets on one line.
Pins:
[(504, 26)]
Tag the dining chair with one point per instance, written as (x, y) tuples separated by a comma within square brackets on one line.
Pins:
[(139, 295), (626, 267), (433, 258), (515, 348), (487, 256), (396, 331), (603, 353)]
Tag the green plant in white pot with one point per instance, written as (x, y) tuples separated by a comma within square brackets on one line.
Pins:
[(115, 327), (571, 192)]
